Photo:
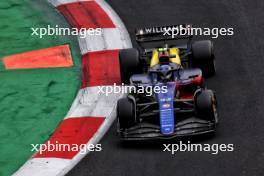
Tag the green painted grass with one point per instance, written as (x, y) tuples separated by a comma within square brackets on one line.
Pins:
[(32, 102)]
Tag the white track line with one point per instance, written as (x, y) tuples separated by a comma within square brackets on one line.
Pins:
[(89, 102), (56, 3), (43, 167), (110, 39)]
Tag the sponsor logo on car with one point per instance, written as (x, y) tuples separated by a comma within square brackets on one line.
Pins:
[(166, 105)]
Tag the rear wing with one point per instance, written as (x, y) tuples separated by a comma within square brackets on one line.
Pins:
[(159, 33)]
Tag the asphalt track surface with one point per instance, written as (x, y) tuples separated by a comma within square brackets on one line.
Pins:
[(238, 84)]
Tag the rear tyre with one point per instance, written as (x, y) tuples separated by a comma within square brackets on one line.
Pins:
[(205, 103), (129, 63), (203, 57), (126, 113)]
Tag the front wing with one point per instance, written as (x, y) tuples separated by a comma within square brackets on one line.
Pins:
[(188, 127)]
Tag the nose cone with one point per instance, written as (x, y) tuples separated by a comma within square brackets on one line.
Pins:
[(166, 108)]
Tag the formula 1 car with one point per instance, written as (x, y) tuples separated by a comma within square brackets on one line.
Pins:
[(186, 108)]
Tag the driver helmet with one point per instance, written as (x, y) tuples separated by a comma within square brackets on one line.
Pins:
[(164, 55)]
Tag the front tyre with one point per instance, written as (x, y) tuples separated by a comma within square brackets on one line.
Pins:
[(206, 105), (126, 113)]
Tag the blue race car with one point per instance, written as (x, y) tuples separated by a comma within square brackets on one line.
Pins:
[(179, 104)]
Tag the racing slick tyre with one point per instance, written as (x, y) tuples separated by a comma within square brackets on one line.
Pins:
[(203, 57), (205, 103), (129, 63), (126, 113)]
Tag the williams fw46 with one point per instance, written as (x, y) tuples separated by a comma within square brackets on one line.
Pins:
[(187, 107)]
